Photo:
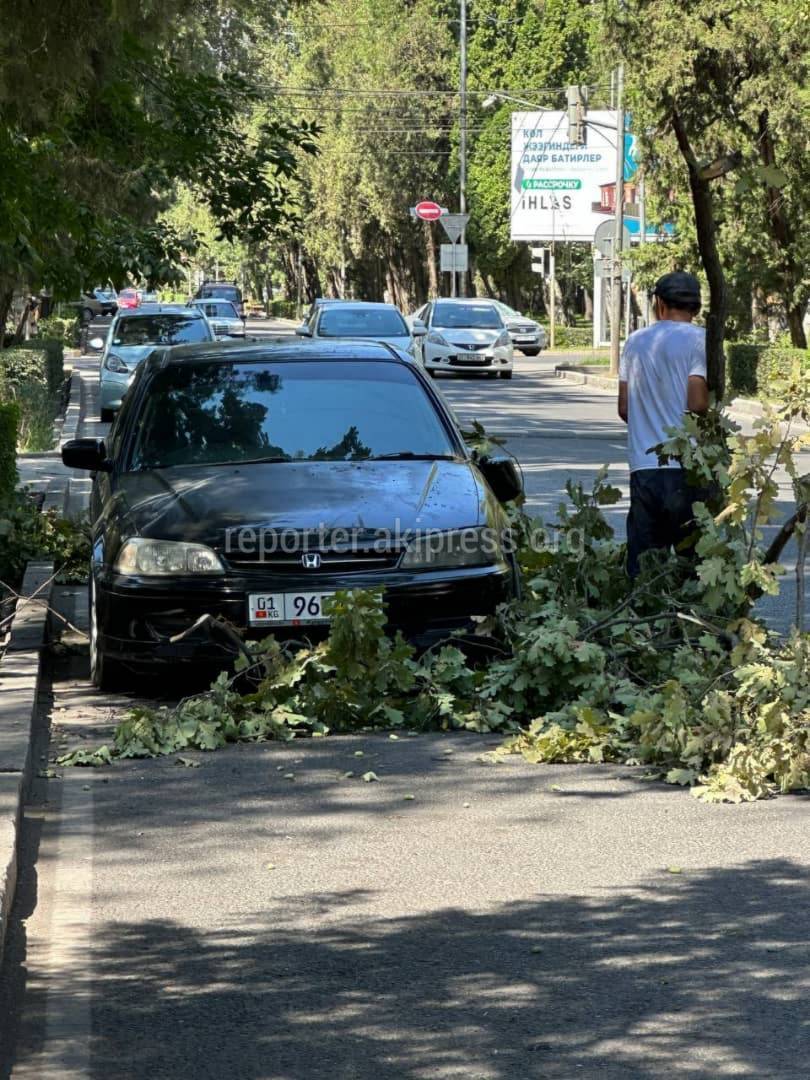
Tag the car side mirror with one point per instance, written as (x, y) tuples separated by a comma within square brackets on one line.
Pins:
[(303, 331), (503, 476), (418, 328), (96, 343), (88, 454)]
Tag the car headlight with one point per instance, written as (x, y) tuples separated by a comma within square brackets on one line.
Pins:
[(436, 550), (166, 558), (115, 363), (437, 339), (502, 339)]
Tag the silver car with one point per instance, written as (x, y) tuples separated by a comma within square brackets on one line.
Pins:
[(466, 336), (363, 319), (225, 320), (526, 334), (132, 337)]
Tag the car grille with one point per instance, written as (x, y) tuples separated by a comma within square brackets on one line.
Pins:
[(524, 329), (345, 561), (469, 360), (470, 347), (221, 327)]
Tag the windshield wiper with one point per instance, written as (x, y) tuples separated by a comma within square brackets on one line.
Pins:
[(409, 455)]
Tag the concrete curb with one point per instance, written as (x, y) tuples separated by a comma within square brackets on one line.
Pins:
[(581, 378), (20, 674)]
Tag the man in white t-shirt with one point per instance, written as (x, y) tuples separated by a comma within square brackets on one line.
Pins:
[(662, 375)]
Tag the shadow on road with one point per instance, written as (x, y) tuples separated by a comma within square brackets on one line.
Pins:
[(669, 981)]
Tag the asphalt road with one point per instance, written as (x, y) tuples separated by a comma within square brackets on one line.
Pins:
[(265, 917)]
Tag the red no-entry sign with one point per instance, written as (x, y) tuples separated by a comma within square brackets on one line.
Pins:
[(428, 211)]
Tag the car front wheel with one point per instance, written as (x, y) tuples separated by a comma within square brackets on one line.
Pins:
[(87, 315), (106, 674), (506, 374)]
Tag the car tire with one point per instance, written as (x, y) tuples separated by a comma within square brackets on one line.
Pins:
[(105, 674), (87, 315), (107, 416), (506, 374), (530, 352)]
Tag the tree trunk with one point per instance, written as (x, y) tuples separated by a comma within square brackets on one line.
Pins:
[(6, 300), (706, 228)]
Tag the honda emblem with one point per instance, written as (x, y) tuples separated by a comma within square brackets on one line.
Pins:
[(311, 561)]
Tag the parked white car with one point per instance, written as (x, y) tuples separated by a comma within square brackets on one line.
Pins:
[(465, 335), (526, 334), (224, 318), (364, 320)]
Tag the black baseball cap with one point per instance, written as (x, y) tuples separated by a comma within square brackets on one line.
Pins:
[(679, 289)]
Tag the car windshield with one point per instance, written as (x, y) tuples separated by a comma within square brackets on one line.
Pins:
[(224, 292), (467, 316), (104, 294), (223, 413), (219, 309), (508, 311), (160, 330), (361, 323)]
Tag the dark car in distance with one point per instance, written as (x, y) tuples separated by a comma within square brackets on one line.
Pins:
[(251, 481), (222, 290)]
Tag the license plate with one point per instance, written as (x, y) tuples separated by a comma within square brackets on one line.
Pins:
[(523, 338), (286, 609)]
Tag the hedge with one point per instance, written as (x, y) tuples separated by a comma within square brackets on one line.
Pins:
[(56, 328), (9, 424), (742, 361), (26, 377), (283, 309), (55, 361), (756, 369)]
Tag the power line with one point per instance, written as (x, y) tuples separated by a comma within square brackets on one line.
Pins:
[(343, 91)]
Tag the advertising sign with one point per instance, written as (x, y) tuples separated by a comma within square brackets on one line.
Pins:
[(561, 191)]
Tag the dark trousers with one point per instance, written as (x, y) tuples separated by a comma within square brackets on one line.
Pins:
[(660, 512)]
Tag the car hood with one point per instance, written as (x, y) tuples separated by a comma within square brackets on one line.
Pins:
[(464, 336), (201, 503), (132, 354), (515, 323)]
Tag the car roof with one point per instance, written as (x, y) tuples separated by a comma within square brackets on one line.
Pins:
[(365, 304), (272, 349), (464, 300), (160, 309)]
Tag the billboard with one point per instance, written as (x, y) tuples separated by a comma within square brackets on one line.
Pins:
[(561, 191)]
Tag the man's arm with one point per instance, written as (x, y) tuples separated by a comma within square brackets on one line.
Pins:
[(623, 400), (697, 395)]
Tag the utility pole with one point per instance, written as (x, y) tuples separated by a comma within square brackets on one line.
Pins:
[(462, 142), (616, 276)]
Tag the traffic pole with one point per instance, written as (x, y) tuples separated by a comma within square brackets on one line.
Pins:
[(462, 142)]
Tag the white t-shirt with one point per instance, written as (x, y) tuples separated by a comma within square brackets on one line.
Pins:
[(656, 364)]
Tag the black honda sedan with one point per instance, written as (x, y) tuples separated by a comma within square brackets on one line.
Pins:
[(251, 481)]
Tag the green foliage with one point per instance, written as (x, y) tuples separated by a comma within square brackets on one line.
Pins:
[(28, 533), (58, 329), (25, 377), (283, 309), (54, 351), (742, 359), (779, 364), (9, 426), (765, 369)]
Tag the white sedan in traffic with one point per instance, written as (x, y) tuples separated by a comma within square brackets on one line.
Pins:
[(465, 335)]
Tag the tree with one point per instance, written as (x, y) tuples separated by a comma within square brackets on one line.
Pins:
[(728, 89), (113, 121)]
